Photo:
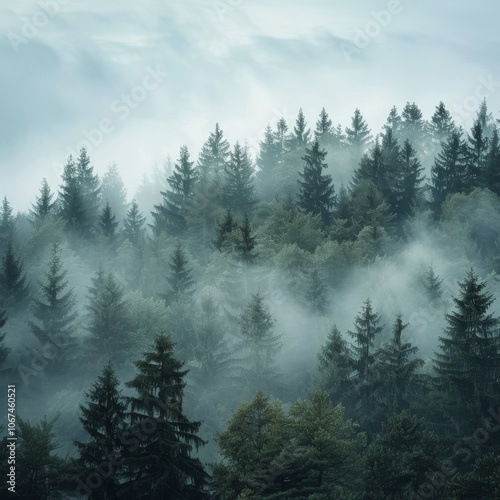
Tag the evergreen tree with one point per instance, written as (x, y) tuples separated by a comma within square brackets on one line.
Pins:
[(398, 368), (163, 465), (492, 164), (301, 134), (324, 129), (448, 171), (102, 418), (441, 125), (433, 285), (214, 157), (171, 215), (238, 187), (44, 206), (485, 119), (358, 136), (90, 190), (133, 225), (14, 287), (179, 279), (477, 151), (316, 292), (371, 168), (258, 343), (468, 364), (55, 313), (108, 223), (4, 350), (267, 162), (225, 227), (6, 225), (412, 124), (108, 324), (394, 121), (113, 191), (245, 247), (316, 190), (283, 138)]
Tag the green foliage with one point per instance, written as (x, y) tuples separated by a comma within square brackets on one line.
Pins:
[(14, 285), (4, 350), (113, 191)]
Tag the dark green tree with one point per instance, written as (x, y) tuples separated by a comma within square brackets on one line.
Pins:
[(14, 285), (4, 350), (133, 225), (171, 216), (245, 247), (90, 190), (44, 206), (283, 138), (224, 228), (371, 168), (492, 164), (214, 157), (394, 121), (477, 151), (324, 129), (239, 187), (468, 361), (163, 465), (358, 136), (301, 134), (108, 223), (7, 227), (441, 125), (433, 285), (179, 278), (54, 313), (412, 124), (267, 163), (103, 420), (316, 194)]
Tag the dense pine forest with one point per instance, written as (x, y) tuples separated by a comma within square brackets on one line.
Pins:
[(320, 320)]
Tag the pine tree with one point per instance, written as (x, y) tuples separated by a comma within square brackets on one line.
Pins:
[(113, 191), (55, 313), (433, 285), (391, 167), (44, 206), (108, 325), (477, 151), (4, 350), (102, 418), (108, 223), (90, 191), (492, 163), (133, 225), (448, 171), (283, 138), (163, 465), (14, 287), (316, 194), (398, 368), (324, 128), (7, 227), (301, 134), (412, 124), (171, 215), (468, 364), (358, 136), (371, 168), (441, 125), (214, 157), (225, 227), (258, 343), (245, 247), (267, 162), (394, 121), (179, 279), (238, 187), (485, 119)]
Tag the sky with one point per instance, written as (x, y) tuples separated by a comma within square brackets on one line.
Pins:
[(134, 81)]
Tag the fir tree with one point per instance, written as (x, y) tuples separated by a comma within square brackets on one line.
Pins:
[(283, 139), (267, 162), (485, 119), (179, 278), (4, 350), (171, 215), (6, 225), (245, 247), (225, 227), (214, 157), (391, 167), (113, 191), (316, 194), (448, 171), (108, 223), (238, 187), (316, 293), (90, 191), (441, 125), (324, 129), (394, 121), (44, 206), (358, 136), (477, 151), (371, 168), (433, 285), (14, 287), (468, 364), (102, 418), (163, 465), (133, 225), (412, 124), (301, 134), (492, 164), (55, 313)]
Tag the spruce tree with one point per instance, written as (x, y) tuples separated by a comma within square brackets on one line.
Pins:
[(267, 163), (412, 124), (245, 247), (468, 361), (225, 227), (4, 350), (179, 278), (283, 138), (163, 465), (108, 223), (324, 129), (171, 215), (316, 194), (371, 168), (316, 292), (301, 134), (14, 286), (433, 285), (486, 120), (238, 187), (394, 121), (213, 157), (54, 313), (113, 191), (7, 227), (103, 420), (391, 167), (358, 136), (477, 151), (448, 171), (90, 190), (441, 125), (44, 206), (133, 225), (108, 325), (492, 164)]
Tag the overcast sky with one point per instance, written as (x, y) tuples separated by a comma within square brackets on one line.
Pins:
[(154, 75)]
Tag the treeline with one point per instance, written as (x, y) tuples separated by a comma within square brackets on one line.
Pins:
[(197, 274)]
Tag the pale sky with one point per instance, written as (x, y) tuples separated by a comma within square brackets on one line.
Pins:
[(243, 63)]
